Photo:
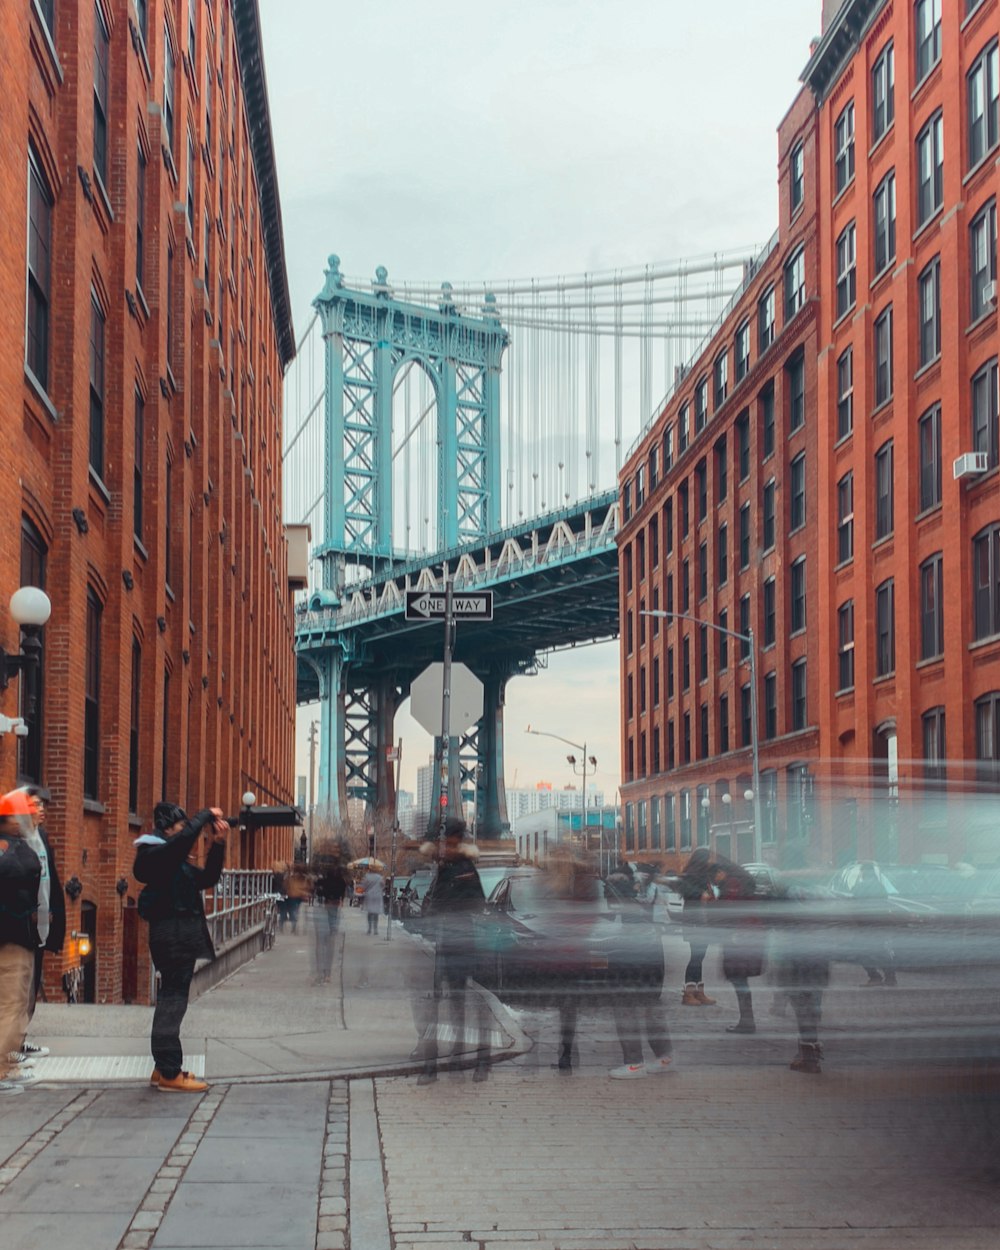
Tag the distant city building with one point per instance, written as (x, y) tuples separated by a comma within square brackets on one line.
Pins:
[(524, 802)]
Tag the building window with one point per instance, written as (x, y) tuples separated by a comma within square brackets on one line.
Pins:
[(885, 629), (929, 428), (723, 724), (746, 716), (930, 169), (987, 735), (629, 633), (684, 498), (845, 518), (686, 745), (703, 570), (703, 751), (142, 14), (685, 663), (847, 269), (722, 555), (795, 284), (135, 720), (654, 543), (883, 357), (140, 427), (984, 412), (798, 597), (768, 515), (140, 218), (683, 429), (701, 405), (745, 536), (797, 170), (765, 321), (34, 558), (668, 449), (96, 387), (656, 686), (669, 592), (986, 582), (743, 351), (189, 203), (192, 29), (929, 299), (982, 97), (630, 698), (884, 220), (845, 394), (983, 261), (744, 629), (720, 375), (169, 75), (685, 586), (843, 146), (883, 491), (654, 466), (770, 706), (685, 806), (765, 419), (670, 673), (796, 372), (669, 823), (797, 493), (701, 481), (932, 607), (845, 646), (642, 690), (935, 752), (883, 92), (39, 272), (928, 36), (101, 46), (170, 308), (47, 9), (799, 710), (168, 534), (723, 640), (92, 699), (721, 471), (703, 653), (770, 614), (743, 445)]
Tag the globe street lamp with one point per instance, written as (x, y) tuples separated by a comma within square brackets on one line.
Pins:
[(748, 638), (30, 608)]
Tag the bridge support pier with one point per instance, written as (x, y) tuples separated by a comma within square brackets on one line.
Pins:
[(492, 821), (331, 801)]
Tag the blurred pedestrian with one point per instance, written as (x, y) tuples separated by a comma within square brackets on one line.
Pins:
[(635, 971), (801, 944), (171, 903), (279, 886), (572, 892), (695, 887), (873, 914), (51, 912), (453, 898), (373, 883), (299, 891), (328, 894), (20, 877), (744, 936)]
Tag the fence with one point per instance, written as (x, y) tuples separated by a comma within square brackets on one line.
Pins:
[(238, 904)]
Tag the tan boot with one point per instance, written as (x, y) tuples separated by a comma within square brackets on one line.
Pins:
[(703, 998), (690, 996)]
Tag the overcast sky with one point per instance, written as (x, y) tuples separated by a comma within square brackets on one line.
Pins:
[(464, 141)]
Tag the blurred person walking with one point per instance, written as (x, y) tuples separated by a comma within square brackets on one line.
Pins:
[(171, 903), (744, 937), (51, 912), (20, 877), (695, 887), (373, 884), (299, 890), (637, 976), (879, 960), (328, 895), (453, 898), (572, 888), (801, 949)]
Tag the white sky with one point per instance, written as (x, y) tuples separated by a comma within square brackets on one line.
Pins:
[(459, 141)]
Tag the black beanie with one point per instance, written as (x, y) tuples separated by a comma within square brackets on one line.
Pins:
[(167, 814)]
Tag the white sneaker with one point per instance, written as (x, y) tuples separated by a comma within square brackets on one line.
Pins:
[(35, 1052), (655, 1066), (628, 1072), (21, 1058), (20, 1077), (6, 1087)]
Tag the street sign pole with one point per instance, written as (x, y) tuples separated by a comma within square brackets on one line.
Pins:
[(395, 835), (445, 740)]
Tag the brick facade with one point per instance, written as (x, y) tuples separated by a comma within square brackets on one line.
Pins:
[(887, 525), (172, 535)]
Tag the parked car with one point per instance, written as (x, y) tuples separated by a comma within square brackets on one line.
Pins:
[(534, 948)]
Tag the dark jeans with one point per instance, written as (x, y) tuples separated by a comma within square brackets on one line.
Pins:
[(453, 970), (693, 971), (171, 1007), (36, 981), (373, 922), (807, 1005), (637, 1020)]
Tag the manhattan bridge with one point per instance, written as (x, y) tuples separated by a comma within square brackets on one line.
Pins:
[(474, 432)]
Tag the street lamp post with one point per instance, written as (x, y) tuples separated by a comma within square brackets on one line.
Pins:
[(748, 638), (571, 760)]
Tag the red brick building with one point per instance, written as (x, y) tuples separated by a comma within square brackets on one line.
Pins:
[(901, 646), (146, 320), (719, 525)]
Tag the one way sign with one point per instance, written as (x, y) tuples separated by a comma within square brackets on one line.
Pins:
[(424, 605)]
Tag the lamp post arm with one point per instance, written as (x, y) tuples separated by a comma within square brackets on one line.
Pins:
[(684, 616), (542, 733)]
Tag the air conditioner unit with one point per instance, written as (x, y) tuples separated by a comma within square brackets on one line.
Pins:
[(970, 464), (990, 293)]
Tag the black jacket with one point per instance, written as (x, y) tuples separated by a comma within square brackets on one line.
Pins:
[(171, 901), (20, 873)]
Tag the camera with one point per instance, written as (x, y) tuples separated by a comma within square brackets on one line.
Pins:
[(233, 822)]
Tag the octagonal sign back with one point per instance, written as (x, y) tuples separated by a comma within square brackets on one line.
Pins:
[(427, 691)]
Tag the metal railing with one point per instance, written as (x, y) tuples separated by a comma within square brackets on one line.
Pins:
[(239, 904)]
